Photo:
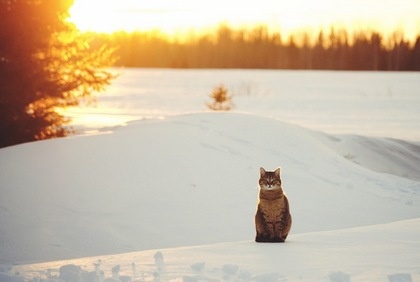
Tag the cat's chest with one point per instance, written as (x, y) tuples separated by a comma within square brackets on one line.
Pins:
[(272, 208)]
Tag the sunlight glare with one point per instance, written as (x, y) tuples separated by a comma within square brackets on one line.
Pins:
[(172, 17)]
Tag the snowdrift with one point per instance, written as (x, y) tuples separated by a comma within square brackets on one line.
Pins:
[(191, 180), (386, 252)]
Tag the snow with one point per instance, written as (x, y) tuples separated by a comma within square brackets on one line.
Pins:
[(363, 254), (382, 104), (185, 186)]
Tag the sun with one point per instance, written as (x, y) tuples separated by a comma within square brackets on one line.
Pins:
[(98, 16), (165, 16)]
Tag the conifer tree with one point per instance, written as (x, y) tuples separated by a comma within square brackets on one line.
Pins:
[(222, 101), (44, 65)]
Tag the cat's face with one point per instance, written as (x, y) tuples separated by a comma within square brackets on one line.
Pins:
[(270, 180)]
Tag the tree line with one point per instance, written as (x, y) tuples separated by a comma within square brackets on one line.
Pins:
[(258, 48)]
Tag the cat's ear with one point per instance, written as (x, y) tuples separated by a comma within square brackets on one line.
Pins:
[(277, 172), (262, 171)]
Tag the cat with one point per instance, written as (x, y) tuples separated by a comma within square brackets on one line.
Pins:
[(272, 219)]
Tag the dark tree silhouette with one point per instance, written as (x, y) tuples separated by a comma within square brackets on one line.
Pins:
[(259, 48), (44, 65)]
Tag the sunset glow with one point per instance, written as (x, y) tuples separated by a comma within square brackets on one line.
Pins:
[(178, 17)]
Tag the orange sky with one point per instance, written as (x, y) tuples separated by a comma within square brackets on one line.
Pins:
[(175, 17)]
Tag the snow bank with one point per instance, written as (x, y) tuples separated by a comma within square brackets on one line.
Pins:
[(387, 252), (191, 180), (386, 155)]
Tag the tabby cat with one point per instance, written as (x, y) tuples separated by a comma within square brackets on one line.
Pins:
[(272, 219)]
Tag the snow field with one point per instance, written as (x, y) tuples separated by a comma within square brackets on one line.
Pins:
[(186, 186)]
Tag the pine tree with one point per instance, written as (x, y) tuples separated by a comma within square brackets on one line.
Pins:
[(44, 65), (222, 101)]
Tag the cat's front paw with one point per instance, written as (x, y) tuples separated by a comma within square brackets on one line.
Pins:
[(263, 238), (259, 239)]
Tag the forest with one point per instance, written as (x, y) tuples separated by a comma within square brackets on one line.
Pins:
[(258, 48)]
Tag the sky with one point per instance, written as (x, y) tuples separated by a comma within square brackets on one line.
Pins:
[(178, 16)]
